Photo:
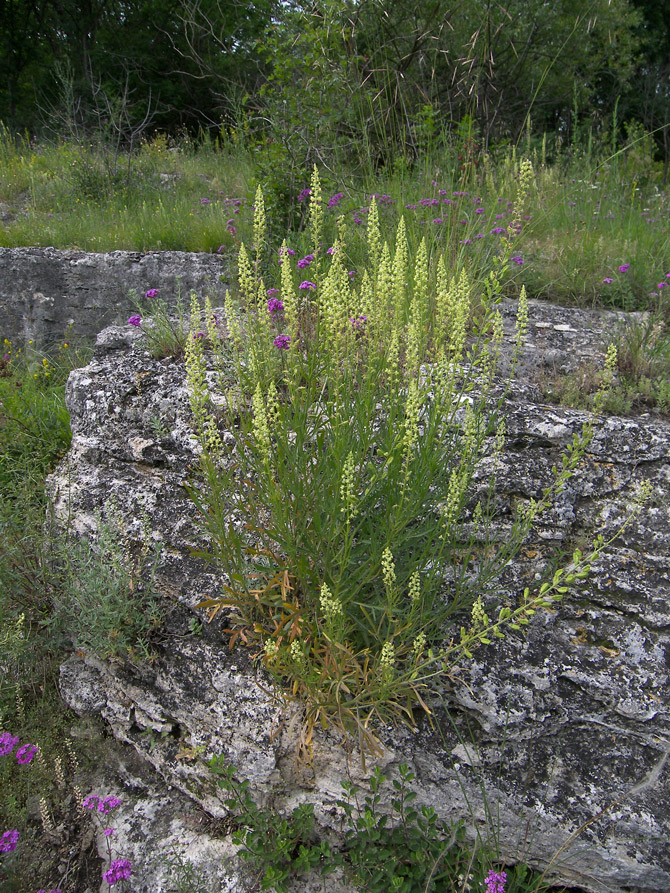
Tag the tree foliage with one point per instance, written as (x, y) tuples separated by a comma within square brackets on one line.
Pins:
[(325, 76)]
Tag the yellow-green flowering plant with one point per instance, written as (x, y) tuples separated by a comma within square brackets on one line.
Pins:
[(361, 416)]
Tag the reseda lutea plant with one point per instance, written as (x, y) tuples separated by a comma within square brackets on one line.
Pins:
[(361, 416)]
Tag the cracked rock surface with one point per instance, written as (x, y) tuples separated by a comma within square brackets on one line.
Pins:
[(566, 727)]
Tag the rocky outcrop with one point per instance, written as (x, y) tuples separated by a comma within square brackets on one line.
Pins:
[(566, 728), (47, 295)]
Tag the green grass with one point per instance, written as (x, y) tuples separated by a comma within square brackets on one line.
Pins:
[(586, 217)]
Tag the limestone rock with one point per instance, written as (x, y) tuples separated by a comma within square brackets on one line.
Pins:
[(48, 294), (566, 727)]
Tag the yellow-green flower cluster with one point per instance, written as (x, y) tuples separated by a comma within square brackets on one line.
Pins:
[(330, 604), (414, 589), (260, 423), (388, 572), (457, 485), (387, 662), (479, 617), (347, 488)]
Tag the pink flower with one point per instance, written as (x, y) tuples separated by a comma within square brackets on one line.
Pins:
[(7, 742), (306, 285), (119, 870), (108, 804), (26, 753), (623, 268), (135, 320), (282, 342), (607, 280), (495, 881), (151, 293), (661, 284), (8, 841)]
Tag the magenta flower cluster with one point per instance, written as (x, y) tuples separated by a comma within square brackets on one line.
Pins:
[(495, 881), (282, 342), (8, 841), (135, 320), (275, 306), (151, 293), (307, 285), (23, 755), (119, 870), (305, 261), (102, 804)]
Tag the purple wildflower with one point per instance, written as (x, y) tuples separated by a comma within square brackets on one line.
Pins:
[(275, 306), (282, 342), (198, 336), (661, 284), (479, 210), (109, 803), (305, 261), (306, 285), (119, 870), (26, 753), (357, 221), (352, 273), (7, 741), (135, 320), (497, 231), (495, 881), (271, 292), (305, 194), (90, 802), (220, 249), (466, 241), (607, 280), (330, 250), (108, 832), (437, 221), (624, 268), (335, 200), (205, 201), (358, 322), (8, 841), (518, 260), (152, 293), (480, 236)]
